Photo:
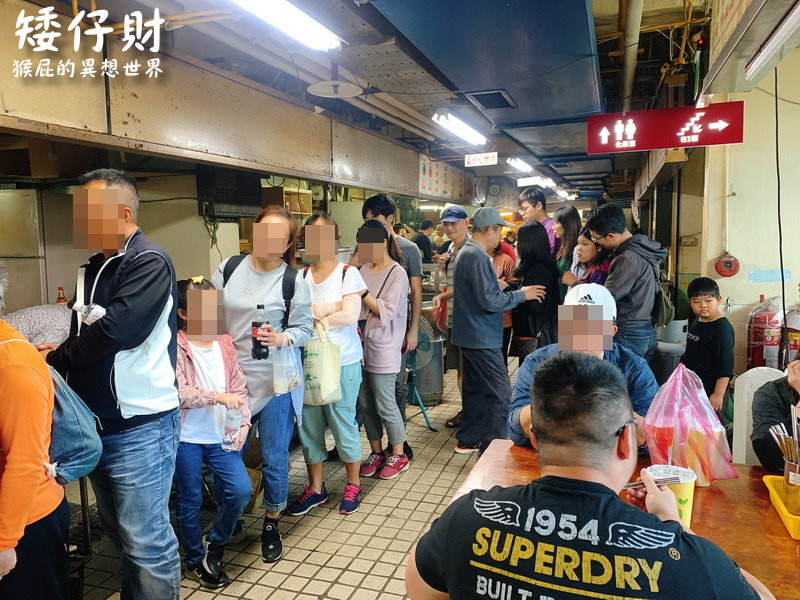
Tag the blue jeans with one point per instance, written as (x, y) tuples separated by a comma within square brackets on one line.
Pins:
[(637, 336), (132, 484), (235, 493), (275, 424)]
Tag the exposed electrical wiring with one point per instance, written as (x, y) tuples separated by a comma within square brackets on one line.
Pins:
[(784, 328)]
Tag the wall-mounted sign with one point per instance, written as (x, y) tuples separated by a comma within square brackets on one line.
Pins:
[(484, 159), (682, 127)]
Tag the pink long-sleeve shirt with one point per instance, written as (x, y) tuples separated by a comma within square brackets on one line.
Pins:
[(385, 331)]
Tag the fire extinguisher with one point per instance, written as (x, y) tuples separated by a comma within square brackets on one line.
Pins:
[(760, 334), (793, 335)]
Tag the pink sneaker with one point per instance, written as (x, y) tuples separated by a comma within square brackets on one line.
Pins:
[(395, 464), (373, 464)]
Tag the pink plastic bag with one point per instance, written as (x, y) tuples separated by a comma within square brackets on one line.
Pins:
[(683, 429)]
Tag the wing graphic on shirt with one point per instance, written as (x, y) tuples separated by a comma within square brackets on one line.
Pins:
[(628, 535), (506, 513)]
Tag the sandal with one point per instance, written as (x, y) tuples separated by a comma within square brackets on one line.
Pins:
[(454, 422)]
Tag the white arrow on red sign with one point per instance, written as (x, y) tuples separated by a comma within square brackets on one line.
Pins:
[(719, 125), (604, 133)]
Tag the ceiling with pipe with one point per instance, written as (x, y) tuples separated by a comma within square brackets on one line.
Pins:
[(525, 73)]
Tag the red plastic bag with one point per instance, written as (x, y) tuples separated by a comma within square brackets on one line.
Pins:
[(683, 429)]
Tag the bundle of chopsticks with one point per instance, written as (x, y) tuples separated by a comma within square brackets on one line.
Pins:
[(789, 444), (659, 482)]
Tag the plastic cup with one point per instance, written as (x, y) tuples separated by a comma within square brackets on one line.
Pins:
[(684, 491)]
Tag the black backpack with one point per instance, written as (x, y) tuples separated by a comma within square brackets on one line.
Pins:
[(287, 283)]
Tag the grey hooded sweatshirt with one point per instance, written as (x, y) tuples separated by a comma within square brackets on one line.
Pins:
[(632, 277)]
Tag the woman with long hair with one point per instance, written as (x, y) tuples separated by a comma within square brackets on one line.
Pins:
[(336, 290), (534, 323), (566, 226), (591, 262), (267, 280), (385, 311)]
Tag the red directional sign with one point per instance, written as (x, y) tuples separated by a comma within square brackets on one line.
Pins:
[(683, 127)]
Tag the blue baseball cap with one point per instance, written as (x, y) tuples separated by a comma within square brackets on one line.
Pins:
[(451, 214)]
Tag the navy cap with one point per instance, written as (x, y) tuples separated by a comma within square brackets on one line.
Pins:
[(451, 214)]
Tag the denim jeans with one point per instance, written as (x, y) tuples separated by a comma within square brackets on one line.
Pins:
[(235, 494), (132, 484), (378, 405), (637, 336), (275, 424), (401, 386)]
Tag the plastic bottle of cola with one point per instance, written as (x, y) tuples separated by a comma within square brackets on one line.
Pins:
[(230, 436), (259, 352)]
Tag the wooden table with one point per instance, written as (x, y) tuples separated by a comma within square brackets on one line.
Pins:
[(736, 514)]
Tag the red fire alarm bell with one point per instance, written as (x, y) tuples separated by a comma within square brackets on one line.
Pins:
[(727, 265)]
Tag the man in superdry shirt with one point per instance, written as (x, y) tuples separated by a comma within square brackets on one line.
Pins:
[(123, 366), (568, 534)]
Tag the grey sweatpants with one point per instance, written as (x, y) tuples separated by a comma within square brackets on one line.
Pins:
[(378, 405)]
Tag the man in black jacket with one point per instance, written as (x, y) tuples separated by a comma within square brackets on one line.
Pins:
[(771, 406), (632, 277), (121, 360)]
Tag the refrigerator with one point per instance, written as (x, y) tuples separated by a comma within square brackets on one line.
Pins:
[(22, 248)]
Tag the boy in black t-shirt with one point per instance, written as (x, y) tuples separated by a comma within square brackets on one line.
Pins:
[(709, 345), (568, 534)]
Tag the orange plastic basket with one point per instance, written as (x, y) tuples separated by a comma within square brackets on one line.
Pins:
[(776, 486)]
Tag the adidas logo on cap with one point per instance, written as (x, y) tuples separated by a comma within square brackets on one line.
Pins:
[(587, 299)]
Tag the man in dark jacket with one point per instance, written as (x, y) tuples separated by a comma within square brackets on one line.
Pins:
[(632, 277), (121, 360), (771, 404)]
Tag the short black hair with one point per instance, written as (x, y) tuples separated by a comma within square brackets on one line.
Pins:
[(184, 285), (379, 204), (426, 224), (702, 286), (117, 180), (607, 219), (578, 403), (533, 196)]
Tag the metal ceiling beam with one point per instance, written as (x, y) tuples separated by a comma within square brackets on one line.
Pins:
[(633, 23)]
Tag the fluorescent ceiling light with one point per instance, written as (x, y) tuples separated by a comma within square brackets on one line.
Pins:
[(429, 207), (544, 182), (785, 31), (458, 127), (292, 21), (562, 193), (519, 165)]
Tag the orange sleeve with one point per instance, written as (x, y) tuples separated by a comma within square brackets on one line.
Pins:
[(26, 413)]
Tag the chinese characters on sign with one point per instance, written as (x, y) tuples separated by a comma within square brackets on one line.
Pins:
[(687, 126), (41, 32)]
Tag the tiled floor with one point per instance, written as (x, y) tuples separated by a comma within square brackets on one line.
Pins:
[(329, 556)]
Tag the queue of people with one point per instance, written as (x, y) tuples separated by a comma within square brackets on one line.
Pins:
[(178, 373)]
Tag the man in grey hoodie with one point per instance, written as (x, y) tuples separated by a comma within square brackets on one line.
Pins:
[(632, 277)]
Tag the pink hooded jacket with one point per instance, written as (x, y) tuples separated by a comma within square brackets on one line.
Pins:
[(192, 395)]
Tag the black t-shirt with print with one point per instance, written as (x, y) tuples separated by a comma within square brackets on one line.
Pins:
[(560, 539), (709, 351)]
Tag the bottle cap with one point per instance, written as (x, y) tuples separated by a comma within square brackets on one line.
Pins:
[(259, 306)]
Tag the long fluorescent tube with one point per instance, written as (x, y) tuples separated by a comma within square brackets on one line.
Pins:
[(292, 21), (519, 165), (562, 194), (429, 207), (774, 44), (458, 127), (544, 182)]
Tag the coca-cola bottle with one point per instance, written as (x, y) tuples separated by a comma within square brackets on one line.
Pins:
[(259, 352)]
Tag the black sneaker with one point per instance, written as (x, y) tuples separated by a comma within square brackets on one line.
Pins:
[(271, 542), (406, 450), (206, 578), (333, 455)]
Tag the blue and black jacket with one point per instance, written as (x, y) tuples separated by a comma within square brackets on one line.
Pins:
[(123, 365)]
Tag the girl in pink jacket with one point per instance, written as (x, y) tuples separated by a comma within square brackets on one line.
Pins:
[(210, 383)]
